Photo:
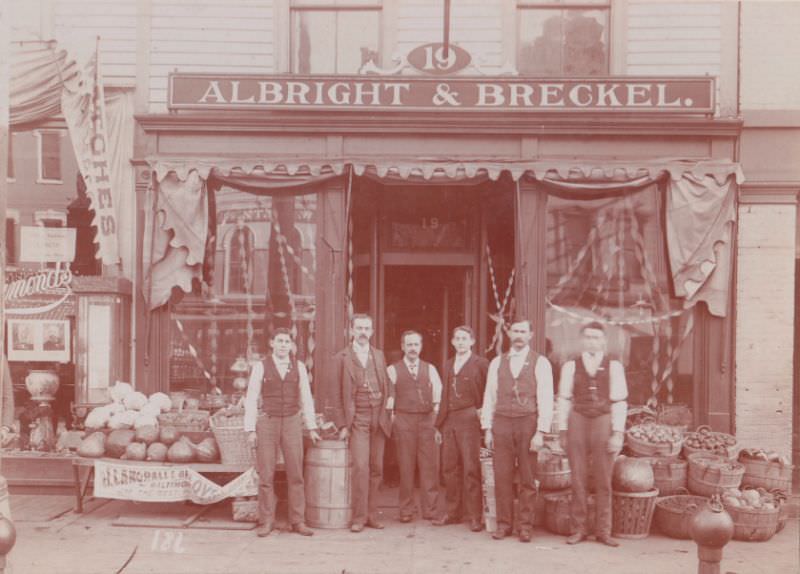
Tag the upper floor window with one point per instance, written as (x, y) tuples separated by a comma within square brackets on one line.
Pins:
[(10, 175), (49, 156), (12, 222), (563, 38), (334, 36)]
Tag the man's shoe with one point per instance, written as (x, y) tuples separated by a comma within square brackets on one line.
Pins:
[(607, 540), (356, 527), (375, 524), (576, 538), (428, 517), (302, 529), (475, 525), (405, 519), (263, 530), (525, 535), (445, 520), (501, 533)]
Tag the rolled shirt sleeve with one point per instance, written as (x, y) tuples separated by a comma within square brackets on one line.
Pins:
[(565, 385), (618, 393), (544, 393), (490, 395), (251, 397), (436, 385), (391, 373), (306, 399)]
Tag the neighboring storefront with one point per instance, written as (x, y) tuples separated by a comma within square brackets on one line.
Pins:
[(430, 202)]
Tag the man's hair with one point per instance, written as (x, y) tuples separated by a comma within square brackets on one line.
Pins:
[(360, 316), (522, 320), (467, 329), (407, 333), (280, 331), (597, 325)]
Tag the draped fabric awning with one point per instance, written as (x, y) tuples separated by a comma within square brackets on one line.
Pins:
[(700, 205)]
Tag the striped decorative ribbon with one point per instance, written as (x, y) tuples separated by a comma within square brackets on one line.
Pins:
[(192, 350)]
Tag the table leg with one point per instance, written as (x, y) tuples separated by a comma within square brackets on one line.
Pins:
[(76, 471), (89, 476)]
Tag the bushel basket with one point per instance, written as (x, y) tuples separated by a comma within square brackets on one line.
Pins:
[(753, 524), (668, 444), (228, 429), (769, 475), (711, 474), (670, 475), (632, 513), (553, 472), (673, 514), (705, 440)]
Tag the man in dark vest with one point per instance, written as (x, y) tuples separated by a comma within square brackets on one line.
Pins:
[(458, 429), (517, 411), (591, 420), (418, 391), (281, 384), (359, 409)]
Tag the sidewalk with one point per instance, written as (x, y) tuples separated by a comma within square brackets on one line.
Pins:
[(51, 538)]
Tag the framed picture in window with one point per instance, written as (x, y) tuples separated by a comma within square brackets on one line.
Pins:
[(39, 340)]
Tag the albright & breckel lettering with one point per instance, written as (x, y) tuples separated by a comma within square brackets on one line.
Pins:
[(685, 95)]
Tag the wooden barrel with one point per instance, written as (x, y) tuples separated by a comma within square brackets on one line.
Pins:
[(553, 472), (327, 477)]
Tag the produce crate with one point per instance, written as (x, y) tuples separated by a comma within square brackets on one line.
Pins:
[(711, 474), (753, 524), (632, 513), (185, 421), (673, 514)]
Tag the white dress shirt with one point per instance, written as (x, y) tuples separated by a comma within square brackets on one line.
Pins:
[(362, 353), (544, 388), (460, 360), (254, 392), (618, 389), (433, 377)]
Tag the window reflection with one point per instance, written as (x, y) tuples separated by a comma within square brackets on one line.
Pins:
[(334, 41)]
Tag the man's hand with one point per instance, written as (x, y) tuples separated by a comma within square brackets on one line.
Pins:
[(437, 436), (537, 442), (314, 436), (252, 439), (487, 439), (615, 442), (562, 440), (344, 433)]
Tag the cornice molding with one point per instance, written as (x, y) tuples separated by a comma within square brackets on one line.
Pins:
[(769, 192), (441, 123)]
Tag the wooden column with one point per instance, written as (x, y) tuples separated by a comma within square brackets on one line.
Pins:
[(531, 258)]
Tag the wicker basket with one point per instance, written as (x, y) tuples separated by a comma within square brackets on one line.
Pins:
[(678, 415), (232, 440), (553, 472), (245, 509), (768, 475), (711, 474), (673, 514), (558, 514), (640, 447), (730, 449), (670, 475), (185, 421), (632, 513), (754, 524)]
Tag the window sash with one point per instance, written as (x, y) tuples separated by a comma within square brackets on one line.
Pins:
[(49, 157)]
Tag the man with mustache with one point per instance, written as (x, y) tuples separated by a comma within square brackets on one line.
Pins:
[(417, 391), (517, 411), (360, 397)]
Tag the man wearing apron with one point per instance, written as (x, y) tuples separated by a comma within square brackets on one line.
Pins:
[(592, 410)]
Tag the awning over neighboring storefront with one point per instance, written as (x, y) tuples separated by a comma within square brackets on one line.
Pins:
[(700, 205)]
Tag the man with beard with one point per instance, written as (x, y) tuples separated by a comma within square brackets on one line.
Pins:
[(359, 399), (417, 391), (517, 411), (458, 429), (592, 409)]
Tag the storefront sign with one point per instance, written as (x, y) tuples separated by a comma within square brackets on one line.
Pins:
[(506, 94), (46, 281), (162, 483), (46, 244)]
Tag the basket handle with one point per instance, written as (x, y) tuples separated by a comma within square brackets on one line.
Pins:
[(703, 428), (681, 490)]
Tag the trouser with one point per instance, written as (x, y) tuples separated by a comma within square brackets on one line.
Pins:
[(512, 440), (285, 433), (416, 448), (366, 452), (461, 464), (588, 437)]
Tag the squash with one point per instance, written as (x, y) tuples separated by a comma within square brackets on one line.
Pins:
[(147, 434), (135, 451), (157, 452), (168, 435), (632, 474), (98, 417), (181, 452), (123, 420), (119, 391), (150, 410), (118, 441), (145, 421), (207, 450), (134, 401), (93, 446), (161, 400)]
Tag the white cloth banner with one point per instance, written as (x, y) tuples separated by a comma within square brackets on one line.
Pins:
[(83, 106), (166, 483)]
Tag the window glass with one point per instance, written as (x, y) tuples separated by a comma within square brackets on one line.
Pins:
[(10, 172), (50, 156), (606, 261), (326, 41), (563, 42), (11, 241), (266, 254)]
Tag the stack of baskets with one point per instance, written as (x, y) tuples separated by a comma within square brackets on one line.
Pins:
[(228, 428), (673, 514), (670, 475), (711, 474)]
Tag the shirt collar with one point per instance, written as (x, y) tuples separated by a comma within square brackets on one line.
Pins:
[(592, 357), (521, 353), (361, 349), (278, 361), (409, 364)]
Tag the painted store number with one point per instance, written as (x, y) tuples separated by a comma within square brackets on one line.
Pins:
[(430, 223), (167, 541)]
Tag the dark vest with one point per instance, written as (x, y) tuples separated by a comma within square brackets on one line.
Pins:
[(591, 394), (413, 395), (368, 390), (280, 397), (517, 397), (463, 386)]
